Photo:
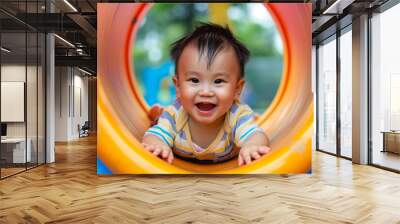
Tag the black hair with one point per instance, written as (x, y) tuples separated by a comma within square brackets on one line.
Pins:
[(210, 40)]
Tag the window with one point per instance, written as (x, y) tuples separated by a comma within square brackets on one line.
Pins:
[(385, 89), (22, 76), (327, 96), (346, 94)]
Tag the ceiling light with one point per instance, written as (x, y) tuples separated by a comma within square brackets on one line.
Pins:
[(70, 5), (84, 71), (5, 50), (337, 7), (65, 41)]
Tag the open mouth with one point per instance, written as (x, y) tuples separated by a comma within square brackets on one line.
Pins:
[(205, 106)]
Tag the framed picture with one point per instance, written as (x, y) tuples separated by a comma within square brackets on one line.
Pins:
[(209, 88)]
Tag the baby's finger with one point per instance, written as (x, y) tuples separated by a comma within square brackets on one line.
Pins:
[(246, 157), (147, 147), (264, 150), (164, 154), (157, 151), (170, 157), (151, 148), (240, 160), (255, 155)]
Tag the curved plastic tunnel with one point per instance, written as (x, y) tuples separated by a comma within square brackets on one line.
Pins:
[(123, 114)]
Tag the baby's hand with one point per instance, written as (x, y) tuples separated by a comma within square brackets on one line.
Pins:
[(251, 152), (162, 151), (154, 113)]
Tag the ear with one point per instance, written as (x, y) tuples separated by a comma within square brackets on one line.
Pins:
[(239, 88), (176, 84)]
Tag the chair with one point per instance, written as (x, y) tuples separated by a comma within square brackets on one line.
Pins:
[(84, 130)]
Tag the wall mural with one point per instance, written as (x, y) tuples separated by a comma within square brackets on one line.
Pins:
[(184, 109)]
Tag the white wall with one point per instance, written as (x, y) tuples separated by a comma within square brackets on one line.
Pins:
[(80, 110), (16, 73), (61, 103), (33, 126), (71, 102)]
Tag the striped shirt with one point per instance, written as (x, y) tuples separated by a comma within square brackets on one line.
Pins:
[(173, 129)]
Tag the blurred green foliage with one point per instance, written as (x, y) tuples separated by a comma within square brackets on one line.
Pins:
[(167, 22)]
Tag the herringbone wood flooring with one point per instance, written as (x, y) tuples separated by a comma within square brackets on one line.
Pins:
[(69, 191)]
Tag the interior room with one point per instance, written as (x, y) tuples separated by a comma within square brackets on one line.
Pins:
[(53, 119)]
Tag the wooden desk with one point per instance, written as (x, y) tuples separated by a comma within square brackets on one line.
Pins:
[(391, 141), (15, 148)]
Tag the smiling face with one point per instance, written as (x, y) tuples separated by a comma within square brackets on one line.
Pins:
[(207, 91)]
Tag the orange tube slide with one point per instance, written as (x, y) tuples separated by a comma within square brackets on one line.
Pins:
[(122, 112)]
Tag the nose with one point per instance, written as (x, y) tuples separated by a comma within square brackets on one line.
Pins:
[(206, 91)]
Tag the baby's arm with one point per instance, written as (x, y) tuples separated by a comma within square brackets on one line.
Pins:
[(253, 148), (159, 138), (156, 146)]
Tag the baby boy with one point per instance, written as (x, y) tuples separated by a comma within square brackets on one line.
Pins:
[(207, 123)]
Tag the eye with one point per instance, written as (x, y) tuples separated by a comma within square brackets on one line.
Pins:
[(219, 81), (194, 80)]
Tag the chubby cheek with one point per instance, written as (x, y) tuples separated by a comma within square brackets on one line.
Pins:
[(226, 96), (186, 95)]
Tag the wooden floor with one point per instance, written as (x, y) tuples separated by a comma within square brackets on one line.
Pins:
[(388, 159), (5, 172), (69, 191)]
